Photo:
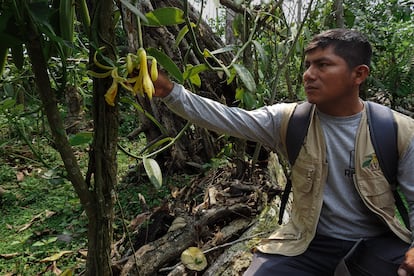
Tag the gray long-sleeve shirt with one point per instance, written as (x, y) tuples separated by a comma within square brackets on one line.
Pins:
[(343, 214)]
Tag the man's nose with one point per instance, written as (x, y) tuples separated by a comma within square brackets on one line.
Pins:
[(309, 74)]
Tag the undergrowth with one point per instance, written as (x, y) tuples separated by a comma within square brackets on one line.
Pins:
[(43, 229)]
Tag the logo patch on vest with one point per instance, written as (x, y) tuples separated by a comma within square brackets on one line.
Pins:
[(371, 162)]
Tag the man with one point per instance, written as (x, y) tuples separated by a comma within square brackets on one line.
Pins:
[(340, 195)]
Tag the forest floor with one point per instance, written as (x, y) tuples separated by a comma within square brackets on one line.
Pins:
[(43, 227)]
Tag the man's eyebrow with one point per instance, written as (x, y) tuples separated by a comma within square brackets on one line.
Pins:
[(318, 60)]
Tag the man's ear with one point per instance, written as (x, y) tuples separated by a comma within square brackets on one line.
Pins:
[(361, 73)]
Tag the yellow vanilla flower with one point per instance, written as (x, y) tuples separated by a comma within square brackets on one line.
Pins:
[(111, 93)]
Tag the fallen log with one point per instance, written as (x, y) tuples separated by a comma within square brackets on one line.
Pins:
[(151, 257)]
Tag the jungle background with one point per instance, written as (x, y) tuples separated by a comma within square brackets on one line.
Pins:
[(87, 188)]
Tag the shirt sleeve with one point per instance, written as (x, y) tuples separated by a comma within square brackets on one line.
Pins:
[(406, 181), (261, 125)]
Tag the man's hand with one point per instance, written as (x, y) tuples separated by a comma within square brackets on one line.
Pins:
[(163, 85), (407, 267)]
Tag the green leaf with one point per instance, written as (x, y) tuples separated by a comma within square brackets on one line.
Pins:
[(246, 77), (80, 138), (165, 17), (167, 63), (134, 10), (192, 73), (6, 104), (232, 76), (194, 70), (182, 33), (249, 100), (223, 50), (40, 13), (261, 52), (239, 94), (38, 243), (153, 171)]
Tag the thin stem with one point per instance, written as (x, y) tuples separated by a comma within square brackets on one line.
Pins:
[(171, 142), (140, 40)]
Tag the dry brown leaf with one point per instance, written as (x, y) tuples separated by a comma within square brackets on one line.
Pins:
[(179, 222), (9, 256), (54, 269), (49, 213), (19, 176), (83, 252), (55, 257), (139, 219)]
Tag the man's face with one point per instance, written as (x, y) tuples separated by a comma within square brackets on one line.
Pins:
[(327, 78)]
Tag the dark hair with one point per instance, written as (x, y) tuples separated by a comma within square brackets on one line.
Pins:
[(350, 45)]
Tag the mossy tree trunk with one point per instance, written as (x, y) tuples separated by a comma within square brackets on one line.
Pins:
[(102, 169), (97, 189)]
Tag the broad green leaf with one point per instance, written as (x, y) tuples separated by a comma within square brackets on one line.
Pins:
[(7, 103), (80, 138), (194, 70), (153, 171), (38, 243), (182, 33), (167, 63), (40, 15), (165, 17), (196, 80), (192, 73), (262, 52), (45, 242), (134, 10), (246, 77), (249, 100)]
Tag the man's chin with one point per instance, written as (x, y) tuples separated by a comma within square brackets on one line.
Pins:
[(312, 100)]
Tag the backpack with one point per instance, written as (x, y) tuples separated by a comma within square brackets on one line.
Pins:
[(383, 132)]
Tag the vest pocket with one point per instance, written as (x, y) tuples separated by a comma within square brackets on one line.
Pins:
[(377, 192), (303, 176)]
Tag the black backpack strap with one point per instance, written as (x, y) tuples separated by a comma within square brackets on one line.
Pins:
[(295, 135), (383, 132)]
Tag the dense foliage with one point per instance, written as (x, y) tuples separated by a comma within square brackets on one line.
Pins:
[(41, 214)]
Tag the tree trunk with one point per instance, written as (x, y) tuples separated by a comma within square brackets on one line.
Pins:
[(95, 196), (339, 13), (102, 168), (197, 146)]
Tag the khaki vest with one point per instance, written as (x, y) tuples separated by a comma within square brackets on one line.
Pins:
[(309, 176)]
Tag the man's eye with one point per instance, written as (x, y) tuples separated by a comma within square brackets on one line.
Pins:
[(323, 65)]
